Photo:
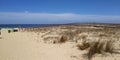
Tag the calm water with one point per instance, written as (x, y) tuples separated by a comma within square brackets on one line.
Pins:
[(25, 25)]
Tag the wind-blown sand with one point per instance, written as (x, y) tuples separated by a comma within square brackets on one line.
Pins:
[(31, 46), (20, 46)]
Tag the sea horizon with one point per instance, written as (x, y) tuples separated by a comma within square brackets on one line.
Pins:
[(42, 25)]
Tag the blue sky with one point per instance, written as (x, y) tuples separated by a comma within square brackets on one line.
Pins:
[(59, 11)]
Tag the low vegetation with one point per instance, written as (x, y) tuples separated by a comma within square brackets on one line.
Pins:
[(109, 47), (0, 37), (83, 46), (63, 39), (97, 48)]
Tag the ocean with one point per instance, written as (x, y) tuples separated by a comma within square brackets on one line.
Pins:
[(25, 25)]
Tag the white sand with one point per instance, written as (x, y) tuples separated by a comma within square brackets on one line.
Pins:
[(22, 46)]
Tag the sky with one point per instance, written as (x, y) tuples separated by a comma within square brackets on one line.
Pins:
[(59, 11)]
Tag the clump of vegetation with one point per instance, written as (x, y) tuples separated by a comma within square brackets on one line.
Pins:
[(83, 46), (0, 37), (103, 35), (63, 39), (98, 47), (83, 37), (109, 47)]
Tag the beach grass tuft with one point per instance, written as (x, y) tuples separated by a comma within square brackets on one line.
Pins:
[(63, 39), (83, 46), (98, 47)]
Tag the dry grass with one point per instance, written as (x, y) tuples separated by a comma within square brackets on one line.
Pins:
[(100, 48), (109, 47), (97, 47), (103, 35), (63, 39), (0, 37), (84, 45)]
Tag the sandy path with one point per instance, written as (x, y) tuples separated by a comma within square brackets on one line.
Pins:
[(21, 46)]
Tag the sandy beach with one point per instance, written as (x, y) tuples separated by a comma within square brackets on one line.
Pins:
[(43, 43)]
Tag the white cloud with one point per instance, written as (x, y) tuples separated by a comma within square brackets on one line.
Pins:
[(26, 11), (14, 17)]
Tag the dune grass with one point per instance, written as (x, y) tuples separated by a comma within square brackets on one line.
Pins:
[(63, 39), (0, 37), (83, 46), (97, 47)]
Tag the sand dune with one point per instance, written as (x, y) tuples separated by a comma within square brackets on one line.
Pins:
[(32, 46), (17, 46)]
